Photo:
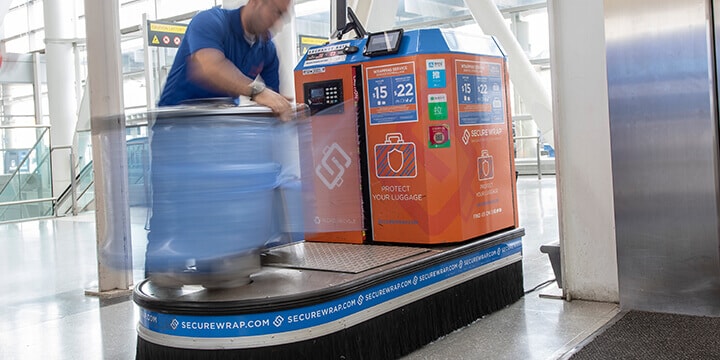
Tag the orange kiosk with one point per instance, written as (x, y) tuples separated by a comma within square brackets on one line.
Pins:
[(411, 138)]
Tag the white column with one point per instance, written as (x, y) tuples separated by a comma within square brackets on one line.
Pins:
[(584, 181), (286, 43), (60, 62), (112, 213), (4, 7), (522, 74)]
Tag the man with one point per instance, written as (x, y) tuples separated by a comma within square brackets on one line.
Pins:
[(222, 54)]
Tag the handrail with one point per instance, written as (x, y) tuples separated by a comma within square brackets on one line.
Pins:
[(12, 127), (537, 140), (24, 202)]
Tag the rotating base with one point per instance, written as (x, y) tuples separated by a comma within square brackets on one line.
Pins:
[(387, 302)]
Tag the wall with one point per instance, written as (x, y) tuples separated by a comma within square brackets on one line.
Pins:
[(582, 139)]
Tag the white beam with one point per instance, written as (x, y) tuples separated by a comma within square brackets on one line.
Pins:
[(522, 74)]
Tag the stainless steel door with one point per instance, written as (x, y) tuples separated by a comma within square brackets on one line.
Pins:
[(664, 138)]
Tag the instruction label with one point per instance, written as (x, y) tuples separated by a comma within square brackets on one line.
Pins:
[(480, 93), (436, 74), (325, 55), (437, 107), (392, 93)]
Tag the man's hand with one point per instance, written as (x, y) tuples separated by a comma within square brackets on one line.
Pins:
[(276, 102)]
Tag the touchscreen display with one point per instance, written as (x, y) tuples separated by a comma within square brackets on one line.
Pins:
[(387, 42)]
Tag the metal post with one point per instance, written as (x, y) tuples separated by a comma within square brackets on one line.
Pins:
[(149, 66), (73, 183), (37, 88), (538, 159)]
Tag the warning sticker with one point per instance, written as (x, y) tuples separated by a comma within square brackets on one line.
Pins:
[(165, 34)]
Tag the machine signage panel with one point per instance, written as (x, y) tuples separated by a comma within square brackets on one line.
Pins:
[(392, 93), (479, 93), (436, 74), (439, 136), (326, 55), (437, 107)]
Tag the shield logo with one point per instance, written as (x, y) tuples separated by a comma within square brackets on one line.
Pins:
[(395, 160), (485, 168)]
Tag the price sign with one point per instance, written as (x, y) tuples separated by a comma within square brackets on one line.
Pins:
[(392, 93), (480, 93)]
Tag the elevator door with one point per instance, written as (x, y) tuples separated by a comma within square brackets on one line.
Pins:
[(664, 138)]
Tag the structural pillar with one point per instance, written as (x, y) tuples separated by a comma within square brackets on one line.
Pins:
[(60, 62), (112, 213), (583, 162)]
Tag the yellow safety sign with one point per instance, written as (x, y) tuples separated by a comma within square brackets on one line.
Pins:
[(173, 29), (165, 34)]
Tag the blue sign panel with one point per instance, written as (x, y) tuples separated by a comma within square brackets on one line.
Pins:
[(392, 94), (311, 316), (480, 93)]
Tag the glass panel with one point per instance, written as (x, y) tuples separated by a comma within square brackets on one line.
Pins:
[(138, 169), (133, 65), (29, 175), (15, 22), (312, 23)]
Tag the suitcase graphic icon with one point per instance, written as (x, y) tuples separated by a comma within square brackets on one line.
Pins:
[(486, 168), (395, 158)]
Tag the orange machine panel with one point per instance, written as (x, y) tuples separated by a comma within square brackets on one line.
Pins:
[(439, 143), (332, 163)]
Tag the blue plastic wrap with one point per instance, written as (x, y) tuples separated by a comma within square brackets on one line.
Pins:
[(214, 178)]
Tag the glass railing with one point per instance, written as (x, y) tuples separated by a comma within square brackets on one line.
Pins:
[(25, 180), (84, 189)]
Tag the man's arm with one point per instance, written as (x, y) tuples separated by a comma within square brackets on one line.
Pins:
[(210, 68)]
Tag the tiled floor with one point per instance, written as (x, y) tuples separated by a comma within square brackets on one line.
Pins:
[(47, 265)]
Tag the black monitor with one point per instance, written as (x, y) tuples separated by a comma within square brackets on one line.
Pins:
[(383, 43)]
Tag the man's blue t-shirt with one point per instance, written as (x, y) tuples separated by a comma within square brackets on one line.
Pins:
[(219, 29)]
